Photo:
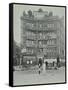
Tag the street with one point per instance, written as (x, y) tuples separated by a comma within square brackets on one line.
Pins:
[(32, 77)]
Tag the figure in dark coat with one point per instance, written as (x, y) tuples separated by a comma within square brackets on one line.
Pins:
[(58, 61), (40, 65)]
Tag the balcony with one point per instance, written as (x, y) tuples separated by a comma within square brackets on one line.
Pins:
[(31, 45), (42, 45), (52, 46), (30, 52), (31, 37), (42, 29), (30, 28)]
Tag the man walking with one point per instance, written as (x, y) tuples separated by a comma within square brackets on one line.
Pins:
[(40, 65)]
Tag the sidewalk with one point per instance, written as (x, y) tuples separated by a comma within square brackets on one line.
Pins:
[(32, 77)]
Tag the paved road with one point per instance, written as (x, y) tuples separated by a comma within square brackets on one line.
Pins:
[(32, 77)]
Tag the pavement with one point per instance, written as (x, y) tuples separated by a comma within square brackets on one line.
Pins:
[(30, 77)]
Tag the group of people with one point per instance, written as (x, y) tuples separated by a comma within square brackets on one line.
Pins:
[(43, 65)]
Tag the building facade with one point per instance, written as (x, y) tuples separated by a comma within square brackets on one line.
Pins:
[(41, 36)]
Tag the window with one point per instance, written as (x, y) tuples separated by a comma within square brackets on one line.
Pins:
[(50, 25), (40, 43), (40, 25), (40, 50), (28, 24), (44, 50), (32, 25), (54, 41), (44, 42)]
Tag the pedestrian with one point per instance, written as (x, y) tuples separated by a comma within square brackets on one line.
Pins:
[(40, 65), (53, 63), (46, 63), (58, 61), (39, 69)]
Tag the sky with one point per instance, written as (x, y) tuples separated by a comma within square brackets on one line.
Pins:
[(18, 12)]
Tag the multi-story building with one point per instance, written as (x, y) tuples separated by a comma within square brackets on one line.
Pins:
[(40, 35)]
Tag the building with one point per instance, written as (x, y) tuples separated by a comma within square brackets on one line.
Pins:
[(41, 36), (16, 54)]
